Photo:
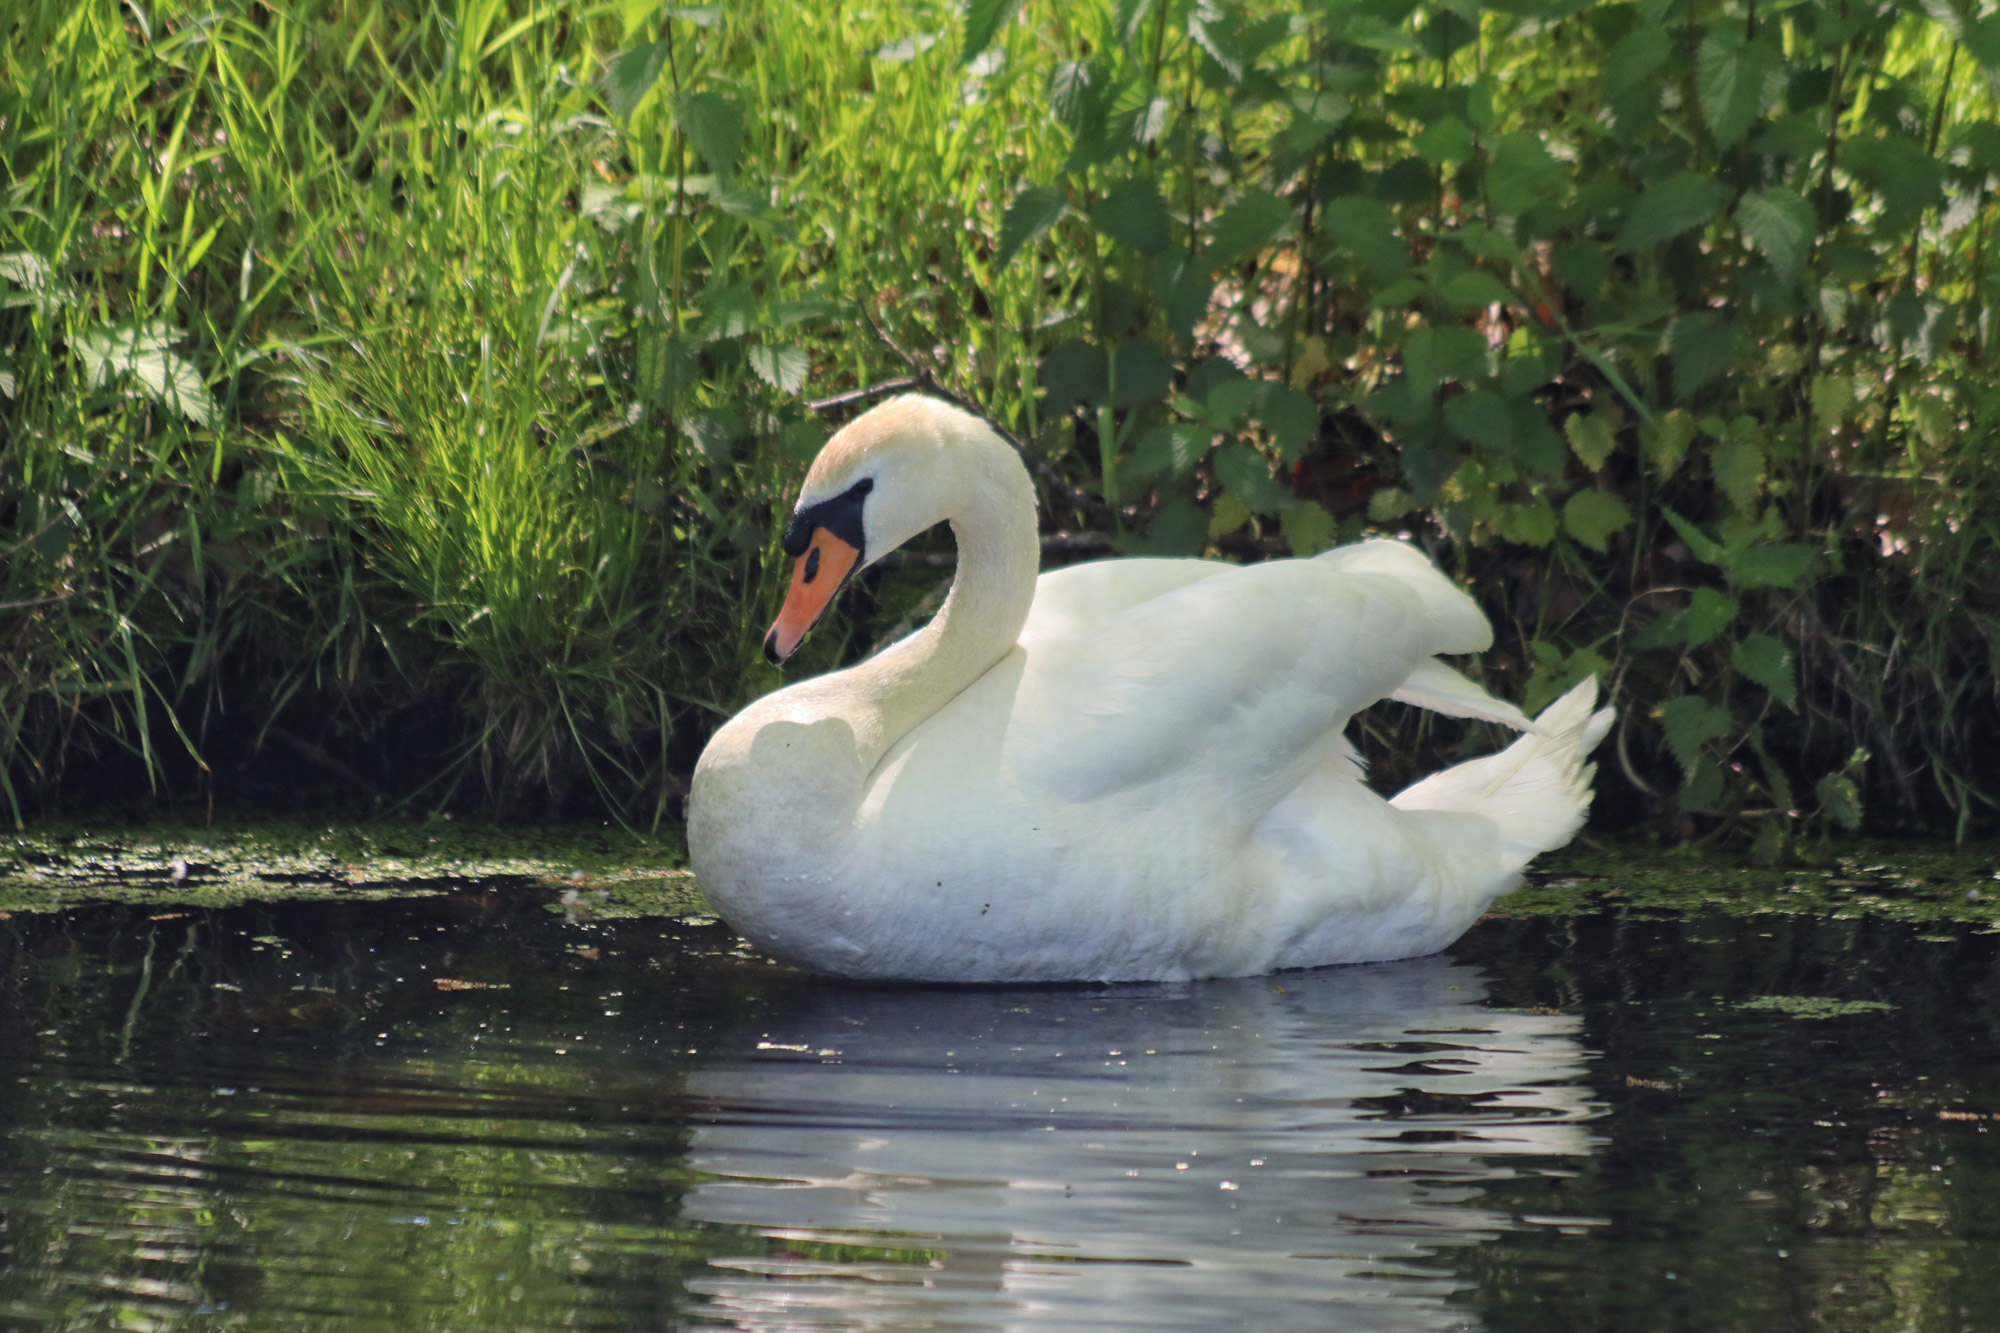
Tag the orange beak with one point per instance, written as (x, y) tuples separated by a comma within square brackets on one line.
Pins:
[(815, 579)]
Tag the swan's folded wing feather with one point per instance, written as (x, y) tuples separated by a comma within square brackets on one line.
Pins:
[(1072, 601), (1238, 680), (1435, 686)]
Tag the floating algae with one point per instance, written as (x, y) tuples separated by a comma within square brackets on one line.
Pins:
[(601, 872), (1913, 882)]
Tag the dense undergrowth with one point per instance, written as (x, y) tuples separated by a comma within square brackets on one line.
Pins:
[(408, 395)]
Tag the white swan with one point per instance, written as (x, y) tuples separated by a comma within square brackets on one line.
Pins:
[(1126, 770)]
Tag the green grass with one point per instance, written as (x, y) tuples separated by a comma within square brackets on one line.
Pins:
[(358, 356)]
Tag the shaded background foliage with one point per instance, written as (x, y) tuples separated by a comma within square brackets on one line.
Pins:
[(412, 394)]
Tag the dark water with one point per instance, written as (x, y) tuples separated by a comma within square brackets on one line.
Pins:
[(469, 1113)]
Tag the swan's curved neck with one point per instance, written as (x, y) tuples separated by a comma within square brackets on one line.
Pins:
[(992, 516)]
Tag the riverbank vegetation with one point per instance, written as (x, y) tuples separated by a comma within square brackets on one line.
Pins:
[(409, 397)]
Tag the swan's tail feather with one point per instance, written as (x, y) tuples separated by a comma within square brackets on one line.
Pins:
[(1537, 790)]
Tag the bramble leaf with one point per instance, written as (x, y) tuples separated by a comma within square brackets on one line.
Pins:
[(1737, 79), (1768, 662), (631, 75), (1708, 614), (983, 21), (1690, 721), (1669, 207), (1133, 214), (1593, 516), (1591, 437), (1245, 226), (1779, 225), (782, 366), (1773, 565), (1308, 529), (714, 125), (1033, 212)]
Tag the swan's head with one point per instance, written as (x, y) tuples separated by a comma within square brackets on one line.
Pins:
[(886, 476)]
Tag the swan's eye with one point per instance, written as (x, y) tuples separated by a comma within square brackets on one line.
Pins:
[(812, 564)]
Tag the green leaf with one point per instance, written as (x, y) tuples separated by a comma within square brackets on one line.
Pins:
[(1899, 169), (1593, 516), (1773, 565), (1033, 212), (139, 349), (1528, 524), (1228, 400), (1130, 15), (1140, 373), (1308, 529), (1473, 289), (714, 125), (1737, 80), (801, 441), (1133, 214), (1634, 58), (1700, 545), (1434, 355), (1390, 503), (1738, 465), (1832, 396), (631, 75), (1178, 528), (1291, 418), (1768, 662), (783, 366), (1073, 96), (1245, 226), (1702, 348), (1703, 787), (1839, 800), (1536, 443), (1591, 436), (1779, 225), (1072, 372), (1708, 613), (1666, 444), (1689, 722), (1226, 514), (1520, 172), (1173, 449), (1669, 207), (667, 368), (1445, 143), (1216, 30), (1366, 229), (1482, 416), (1245, 475), (983, 21)]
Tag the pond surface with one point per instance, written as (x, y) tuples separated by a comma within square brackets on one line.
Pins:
[(482, 1110)]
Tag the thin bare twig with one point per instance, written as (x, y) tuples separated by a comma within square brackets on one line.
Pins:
[(862, 395)]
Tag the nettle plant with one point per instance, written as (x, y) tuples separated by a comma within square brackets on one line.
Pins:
[(1660, 315)]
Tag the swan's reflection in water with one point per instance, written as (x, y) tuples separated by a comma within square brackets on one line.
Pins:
[(1274, 1152)]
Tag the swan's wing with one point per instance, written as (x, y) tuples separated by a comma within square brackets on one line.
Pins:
[(1071, 601), (1435, 686), (1235, 682)]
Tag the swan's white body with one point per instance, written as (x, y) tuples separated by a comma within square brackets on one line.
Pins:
[(1126, 770)]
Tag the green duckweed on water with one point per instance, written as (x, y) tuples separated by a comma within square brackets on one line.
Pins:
[(606, 872), (588, 871), (1814, 1006), (1910, 882)]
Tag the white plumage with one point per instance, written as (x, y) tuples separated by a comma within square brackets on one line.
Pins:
[(1132, 769)]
